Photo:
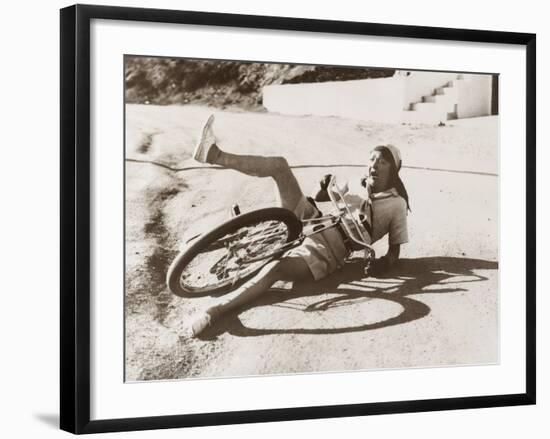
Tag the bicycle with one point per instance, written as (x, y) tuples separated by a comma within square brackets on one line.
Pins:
[(231, 253)]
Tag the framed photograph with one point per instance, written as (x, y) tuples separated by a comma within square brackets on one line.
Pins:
[(275, 218)]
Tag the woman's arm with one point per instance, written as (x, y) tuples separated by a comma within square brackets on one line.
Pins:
[(397, 234), (393, 254)]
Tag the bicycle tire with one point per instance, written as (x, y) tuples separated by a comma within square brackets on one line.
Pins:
[(212, 241)]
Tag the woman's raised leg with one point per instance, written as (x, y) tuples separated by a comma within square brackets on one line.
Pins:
[(275, 167), (207, 151)]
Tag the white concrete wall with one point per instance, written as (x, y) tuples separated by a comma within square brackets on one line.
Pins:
[(474, 96), (365, 99), (381, 100)]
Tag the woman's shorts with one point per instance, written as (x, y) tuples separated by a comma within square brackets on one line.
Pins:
[(324, 252)]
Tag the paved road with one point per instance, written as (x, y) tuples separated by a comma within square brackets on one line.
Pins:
[(438, 307)]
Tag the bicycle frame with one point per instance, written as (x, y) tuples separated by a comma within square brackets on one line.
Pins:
[(337, 197), (241, 250), (328, 221)]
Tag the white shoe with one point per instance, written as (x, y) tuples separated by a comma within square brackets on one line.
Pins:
[(199, 323), (206, 150)]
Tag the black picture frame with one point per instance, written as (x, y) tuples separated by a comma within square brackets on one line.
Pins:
[(75, 217)]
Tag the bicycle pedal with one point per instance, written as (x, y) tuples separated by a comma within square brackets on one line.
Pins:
[(235, 210)]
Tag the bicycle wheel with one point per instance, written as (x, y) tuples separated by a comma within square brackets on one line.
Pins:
[(230, 253)]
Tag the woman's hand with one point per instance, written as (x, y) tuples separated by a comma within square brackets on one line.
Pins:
[(383, 264), (378, 266)]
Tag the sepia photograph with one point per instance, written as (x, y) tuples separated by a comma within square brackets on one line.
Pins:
[(298, 218)]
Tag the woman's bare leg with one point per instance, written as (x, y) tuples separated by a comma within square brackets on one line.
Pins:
[(207, 150), (289, 268), (275, 167)]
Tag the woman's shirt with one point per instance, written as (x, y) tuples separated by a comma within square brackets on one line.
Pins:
[(385, 214)]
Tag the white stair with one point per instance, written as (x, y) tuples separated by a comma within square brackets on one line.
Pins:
[(435, 108)]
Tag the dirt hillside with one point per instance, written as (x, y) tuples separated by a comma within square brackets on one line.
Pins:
[(235, 84)]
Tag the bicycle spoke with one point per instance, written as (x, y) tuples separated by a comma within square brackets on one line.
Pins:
[(225, 266), (235, 255)]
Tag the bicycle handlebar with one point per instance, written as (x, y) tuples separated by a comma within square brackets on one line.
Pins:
[(333, 191)]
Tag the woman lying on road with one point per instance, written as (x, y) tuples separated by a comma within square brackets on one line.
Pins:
[(382, 210)]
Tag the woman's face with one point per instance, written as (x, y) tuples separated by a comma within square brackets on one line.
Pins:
[(379, 172)]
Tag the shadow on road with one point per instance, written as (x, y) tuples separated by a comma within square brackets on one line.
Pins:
[(348, 287)]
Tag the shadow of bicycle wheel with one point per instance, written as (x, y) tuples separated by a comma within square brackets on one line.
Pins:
[(376, 302)]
